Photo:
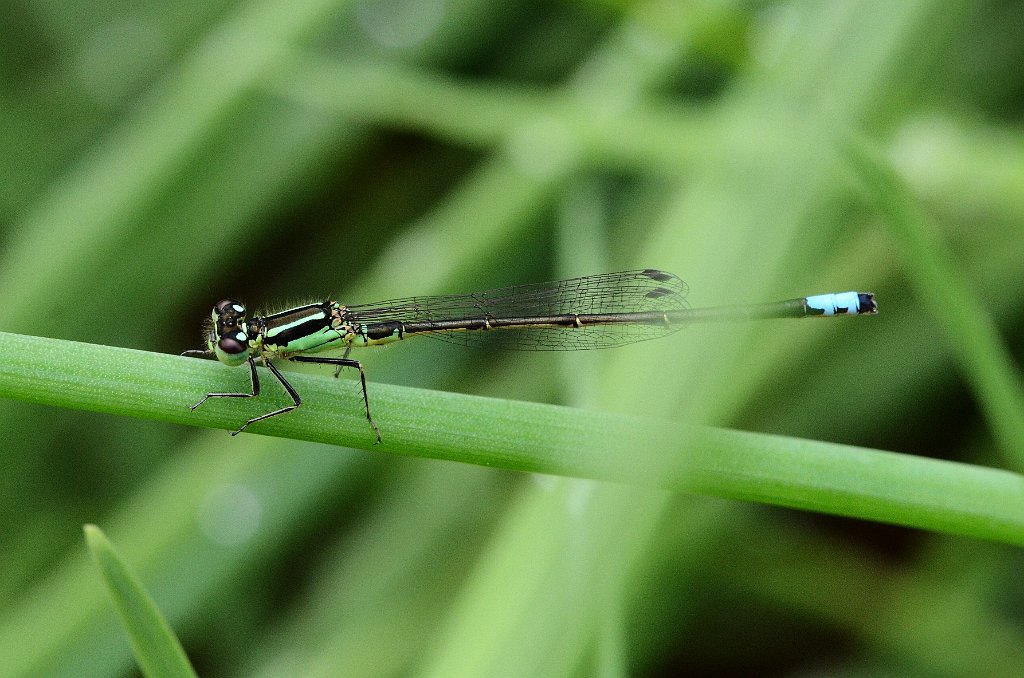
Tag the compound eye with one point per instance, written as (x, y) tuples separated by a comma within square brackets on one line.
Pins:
[(234, 343), (228, 307)]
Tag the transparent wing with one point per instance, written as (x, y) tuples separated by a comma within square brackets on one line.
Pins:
[(611, 293)]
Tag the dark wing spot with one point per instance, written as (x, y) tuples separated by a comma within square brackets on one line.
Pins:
[(655, 274), (659, 292)]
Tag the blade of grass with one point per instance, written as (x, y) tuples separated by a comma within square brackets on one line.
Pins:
[(811, 475), (156, 647)]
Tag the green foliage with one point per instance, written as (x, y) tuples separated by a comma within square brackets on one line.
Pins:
[(160, 158)]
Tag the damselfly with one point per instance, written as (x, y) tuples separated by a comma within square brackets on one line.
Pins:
[(597, 311)]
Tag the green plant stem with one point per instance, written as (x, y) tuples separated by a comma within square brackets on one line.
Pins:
[(811, 475)]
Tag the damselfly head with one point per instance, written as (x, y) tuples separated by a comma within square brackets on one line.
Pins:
[(229, 340)]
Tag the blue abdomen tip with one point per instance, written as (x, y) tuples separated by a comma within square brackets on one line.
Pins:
[(842, 303)]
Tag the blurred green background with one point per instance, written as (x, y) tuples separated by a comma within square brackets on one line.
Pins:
[(160, 157)]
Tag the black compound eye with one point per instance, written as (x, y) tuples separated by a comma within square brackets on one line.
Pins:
[(233, 343), (229, 307)]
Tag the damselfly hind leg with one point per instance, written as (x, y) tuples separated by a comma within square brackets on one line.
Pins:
[(340, 363)]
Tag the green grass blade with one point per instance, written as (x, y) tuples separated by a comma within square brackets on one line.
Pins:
[(157, 650), (811, 475)]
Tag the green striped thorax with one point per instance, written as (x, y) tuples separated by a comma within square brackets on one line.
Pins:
[(229, 337), (313, 328)]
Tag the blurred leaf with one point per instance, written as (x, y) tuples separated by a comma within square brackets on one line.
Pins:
[(157, 650)]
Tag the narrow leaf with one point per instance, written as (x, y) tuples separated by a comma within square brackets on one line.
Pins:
[(156, 648)]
